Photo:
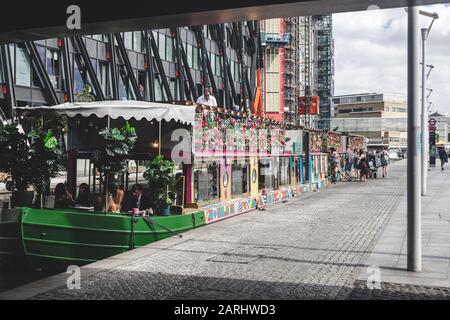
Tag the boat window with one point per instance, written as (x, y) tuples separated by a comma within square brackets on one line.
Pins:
[(239, 179), (266, 178), (206, 182), (284, 172)]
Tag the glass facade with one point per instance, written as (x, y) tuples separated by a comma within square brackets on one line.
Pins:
[(98, 49)]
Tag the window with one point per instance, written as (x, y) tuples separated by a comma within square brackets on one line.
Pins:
[(173, 88), (169, 49), (266, 178), (78, 80), (23, 69), (128, 40), (103, 76), (159, 96), (284, 172), (53, 67), (239, 179), (206, 182), (189, 56), (141, 82), (219, 70), (162, 46), (137, 41), (196, 61)]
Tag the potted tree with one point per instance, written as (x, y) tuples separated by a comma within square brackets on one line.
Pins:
[(160, 174), (17, 163), (111, 157), (47, 159)]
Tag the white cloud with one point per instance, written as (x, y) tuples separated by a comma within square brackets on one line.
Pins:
[(371, 52)]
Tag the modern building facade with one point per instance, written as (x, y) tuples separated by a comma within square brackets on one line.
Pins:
[(150, 65), (378, 116)]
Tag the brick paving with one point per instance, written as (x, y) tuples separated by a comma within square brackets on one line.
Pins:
[(311, 247)]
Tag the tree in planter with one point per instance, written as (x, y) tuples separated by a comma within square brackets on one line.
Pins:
[(160, 175), (47, 159), (16, 159), (111, 157)]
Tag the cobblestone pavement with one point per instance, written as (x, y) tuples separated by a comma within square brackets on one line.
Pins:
[(309, 248), (395, 291)]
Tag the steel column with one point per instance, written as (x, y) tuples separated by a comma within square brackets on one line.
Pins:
[(9, 80), (89, 68), (206, 62), (180, 73), (414, 234), (187, 71), (39, 68), (68, 74), (126, 62), (162, 73), (113, 67), (149, 75)]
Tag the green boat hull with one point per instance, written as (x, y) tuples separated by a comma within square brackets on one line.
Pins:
[(56, 238)]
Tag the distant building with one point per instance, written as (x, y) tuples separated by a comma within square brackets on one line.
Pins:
[(378, 116)]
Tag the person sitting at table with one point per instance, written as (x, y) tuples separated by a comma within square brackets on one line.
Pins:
[(115, 199), (136, 199), (84, 196), (63, 199)]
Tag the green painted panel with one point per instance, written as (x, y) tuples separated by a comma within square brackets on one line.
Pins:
[(71, 237)]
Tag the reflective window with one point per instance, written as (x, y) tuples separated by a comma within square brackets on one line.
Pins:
[(128, 40), (162, 46), (137, 41), (23, 69), (206, 182), (239, 179), (170, 56)]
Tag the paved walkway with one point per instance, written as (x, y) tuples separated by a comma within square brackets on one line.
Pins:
[(317, 246)]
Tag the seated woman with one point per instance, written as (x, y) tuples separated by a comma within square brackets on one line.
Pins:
[(63, 199), (84, 196), (115, 200)]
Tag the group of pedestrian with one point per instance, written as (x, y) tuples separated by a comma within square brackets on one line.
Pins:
[(356, 164)]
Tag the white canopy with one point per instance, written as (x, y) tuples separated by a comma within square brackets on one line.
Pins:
[(122, 108)]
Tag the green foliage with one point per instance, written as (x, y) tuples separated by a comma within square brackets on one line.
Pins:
[(15, 158), (85, 96), (111, 157), (47, 158), (160, 175), (29, 160)]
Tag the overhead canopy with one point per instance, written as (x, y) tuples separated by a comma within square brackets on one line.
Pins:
[(49, 18), (125, 109)]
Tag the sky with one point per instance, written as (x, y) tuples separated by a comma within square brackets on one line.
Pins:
[(371, 53)]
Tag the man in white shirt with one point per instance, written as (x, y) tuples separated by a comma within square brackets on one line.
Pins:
[(207, 99)]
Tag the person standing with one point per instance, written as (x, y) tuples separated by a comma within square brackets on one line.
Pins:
[(443, 156), (348, 160), (385, 161), (356, 159), (207, 99), (363, 166)]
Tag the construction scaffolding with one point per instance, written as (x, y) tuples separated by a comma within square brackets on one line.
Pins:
[(291, 70), (306, 68), (325, 68)]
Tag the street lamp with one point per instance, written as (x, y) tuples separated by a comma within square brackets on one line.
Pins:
[(424, 132)]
